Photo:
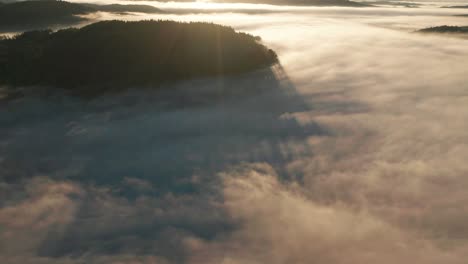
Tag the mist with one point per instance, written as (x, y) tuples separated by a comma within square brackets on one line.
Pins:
[(350, 150)]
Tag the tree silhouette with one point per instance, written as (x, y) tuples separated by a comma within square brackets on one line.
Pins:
[(117, 54)]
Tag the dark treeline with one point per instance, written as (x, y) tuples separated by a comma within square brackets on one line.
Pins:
[(445, 29), (118, 54)]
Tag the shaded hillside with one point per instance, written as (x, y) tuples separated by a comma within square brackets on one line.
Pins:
[(45, 13), (118, 54), (445, 29), (36, 13)]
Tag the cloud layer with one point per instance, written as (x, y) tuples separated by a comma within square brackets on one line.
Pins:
[(351, 151)]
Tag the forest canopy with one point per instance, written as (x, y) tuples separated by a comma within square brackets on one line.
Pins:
[(117, 53)]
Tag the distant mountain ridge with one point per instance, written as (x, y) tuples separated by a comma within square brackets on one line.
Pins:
[(118, 8), (34, 13), (466, 6), (44, 13), (40, 14), (346, 3)]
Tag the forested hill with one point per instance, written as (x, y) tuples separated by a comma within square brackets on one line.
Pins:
[(118, 54), (35, 13), (445, 29)]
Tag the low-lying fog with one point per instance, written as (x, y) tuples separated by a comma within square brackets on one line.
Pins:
[(353, 150)]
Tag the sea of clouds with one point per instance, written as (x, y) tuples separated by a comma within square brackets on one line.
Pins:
[(351, 150)]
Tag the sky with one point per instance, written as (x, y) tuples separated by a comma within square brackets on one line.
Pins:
[(350, 150)]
